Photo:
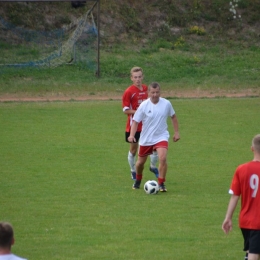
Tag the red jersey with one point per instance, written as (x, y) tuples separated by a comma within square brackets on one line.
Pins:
[(246, 183), (132, 98)]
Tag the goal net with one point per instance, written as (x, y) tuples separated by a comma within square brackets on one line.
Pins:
[(37, 34)]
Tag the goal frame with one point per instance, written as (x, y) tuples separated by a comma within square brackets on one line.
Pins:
[(96, 3)]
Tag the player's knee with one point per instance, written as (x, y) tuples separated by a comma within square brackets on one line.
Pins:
[(163, 161)]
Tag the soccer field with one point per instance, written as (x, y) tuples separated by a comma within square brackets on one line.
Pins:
[(66, 187)]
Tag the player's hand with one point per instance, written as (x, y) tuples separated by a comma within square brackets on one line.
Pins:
[(176, 137), (227, 225), (131, 139)]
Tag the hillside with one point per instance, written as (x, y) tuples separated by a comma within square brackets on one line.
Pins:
[(141, 21), (171, 19), (195, 48)]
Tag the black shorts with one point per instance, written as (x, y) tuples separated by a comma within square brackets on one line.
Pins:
[(251, 240), (137, 136)]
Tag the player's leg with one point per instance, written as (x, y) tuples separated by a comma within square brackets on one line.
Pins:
[(143, 153), (132, 153), (139, 171), (162, 154), (254, 245), (153, 162), (131, 159), (253, 256), (246, 233), (162, 149), (251, 243)]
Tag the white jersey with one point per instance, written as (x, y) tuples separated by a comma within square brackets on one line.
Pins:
[(10, 257), (154, 119)]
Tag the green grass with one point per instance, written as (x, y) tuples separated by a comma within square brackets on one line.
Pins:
[(66, 187), (205, 66)]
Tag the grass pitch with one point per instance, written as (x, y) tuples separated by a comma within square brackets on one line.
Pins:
[(66, 187)]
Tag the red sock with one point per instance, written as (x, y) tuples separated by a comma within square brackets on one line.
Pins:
[(139, 177), (161, 180)]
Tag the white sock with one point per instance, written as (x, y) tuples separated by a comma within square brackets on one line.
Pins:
[(131, 161), (153, 159)]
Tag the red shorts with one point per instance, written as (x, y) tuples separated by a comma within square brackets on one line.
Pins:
[(147, 150)]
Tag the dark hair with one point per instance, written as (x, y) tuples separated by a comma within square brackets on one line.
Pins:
[(154, 85), (256, 143), (6, 234)]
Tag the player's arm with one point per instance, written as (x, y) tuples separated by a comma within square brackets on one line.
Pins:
[(227, 224), (126, 102), (131, 137), (128, 111), (175, 124)]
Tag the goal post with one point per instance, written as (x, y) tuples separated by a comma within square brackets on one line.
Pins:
[(76, 41)]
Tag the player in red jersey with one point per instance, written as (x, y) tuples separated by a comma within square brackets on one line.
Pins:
[(133, 96), (246, 183)]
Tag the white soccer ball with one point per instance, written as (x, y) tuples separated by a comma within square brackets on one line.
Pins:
[(151, 187)]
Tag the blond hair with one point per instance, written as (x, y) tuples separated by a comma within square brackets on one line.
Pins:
[(256, 143), (136, 69)]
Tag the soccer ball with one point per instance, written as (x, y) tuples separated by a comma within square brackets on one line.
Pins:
[(151, 187)]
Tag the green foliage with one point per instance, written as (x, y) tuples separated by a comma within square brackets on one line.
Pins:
[(66, 187), (161, 43), (208, 66), (38, 15), (180, 42), (130, 18), (175, 15), (197, 30), (244, 4)]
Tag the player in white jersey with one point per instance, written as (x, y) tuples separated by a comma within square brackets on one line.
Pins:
[(6, 242), (153, 113), (133, 96)]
